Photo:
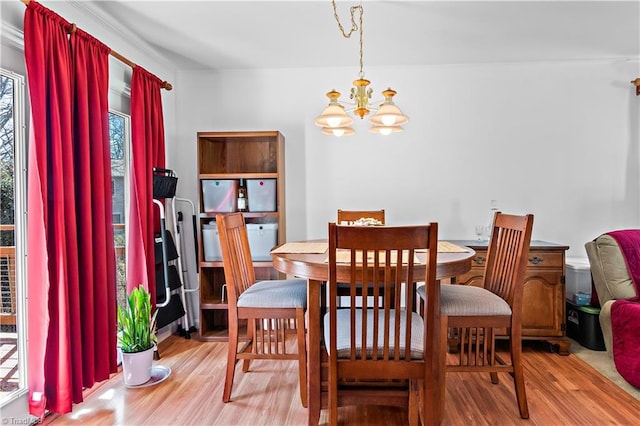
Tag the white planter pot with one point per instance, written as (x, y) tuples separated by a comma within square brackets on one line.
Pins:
[(136, 367)]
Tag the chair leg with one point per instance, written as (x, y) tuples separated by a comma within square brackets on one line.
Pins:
[(333, 395), (490, 335), (518, 375), (251, 325), (302, 356), (414, 402), (231, 360), (494, 377)]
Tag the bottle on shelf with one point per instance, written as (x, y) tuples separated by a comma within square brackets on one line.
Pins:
[(243, 202)]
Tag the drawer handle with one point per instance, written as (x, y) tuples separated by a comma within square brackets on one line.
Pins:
[(480, 260), (535, 260)]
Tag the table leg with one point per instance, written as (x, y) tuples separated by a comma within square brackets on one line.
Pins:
[(441, 382), (435, 359), (313, 348)]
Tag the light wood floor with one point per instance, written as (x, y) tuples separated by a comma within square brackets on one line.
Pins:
[(562, 390)]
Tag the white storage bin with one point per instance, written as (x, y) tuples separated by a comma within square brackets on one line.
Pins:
[(211, 242), (219, 195), (262, 238), (578, 277), (262, 195)]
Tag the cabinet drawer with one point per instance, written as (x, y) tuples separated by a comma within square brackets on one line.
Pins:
[(535, 259), (538, 259), (479, 260)]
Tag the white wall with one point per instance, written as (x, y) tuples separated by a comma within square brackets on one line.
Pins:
[(559, 140)]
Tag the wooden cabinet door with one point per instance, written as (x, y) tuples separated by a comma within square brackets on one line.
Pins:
[(543, 307)]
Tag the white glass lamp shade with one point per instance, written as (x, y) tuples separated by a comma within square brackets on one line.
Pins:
[(333, 116), (388, 115), (338, 131), (385, 130)]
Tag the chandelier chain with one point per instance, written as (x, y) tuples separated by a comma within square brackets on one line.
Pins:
[(354, 27)]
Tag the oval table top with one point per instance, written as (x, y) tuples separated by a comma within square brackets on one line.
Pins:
[(314, 266)]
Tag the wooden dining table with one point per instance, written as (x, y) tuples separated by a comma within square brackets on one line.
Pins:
[(308, 259)]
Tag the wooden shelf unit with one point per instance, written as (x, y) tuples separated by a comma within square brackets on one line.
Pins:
[(236, 155)]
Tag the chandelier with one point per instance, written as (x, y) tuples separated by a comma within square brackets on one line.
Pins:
[(334, 119)]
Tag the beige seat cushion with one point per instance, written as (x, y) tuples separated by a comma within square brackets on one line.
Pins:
[(275, 294), (466, 300), (344, 333)]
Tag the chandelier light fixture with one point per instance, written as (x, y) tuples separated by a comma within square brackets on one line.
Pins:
[(334, 119)]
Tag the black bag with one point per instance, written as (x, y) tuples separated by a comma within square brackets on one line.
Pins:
[(164, 183)]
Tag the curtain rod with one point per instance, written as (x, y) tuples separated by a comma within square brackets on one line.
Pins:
[(165, 85)]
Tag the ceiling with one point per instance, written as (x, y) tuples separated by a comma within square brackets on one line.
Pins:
[(282, 34)]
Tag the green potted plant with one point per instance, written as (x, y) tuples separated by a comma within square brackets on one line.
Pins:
[(137, 337)]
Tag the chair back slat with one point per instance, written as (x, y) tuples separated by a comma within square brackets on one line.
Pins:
[(239, 273), (507, 257)]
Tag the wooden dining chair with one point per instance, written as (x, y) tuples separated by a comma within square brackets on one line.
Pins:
[(269, 306), (350, 216), (376, 352), (476, 313)]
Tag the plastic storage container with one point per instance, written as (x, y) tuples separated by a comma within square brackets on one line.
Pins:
[(211, 242), (219, 195), (578, 277), (262, 195), (581, 298), (262, 238), (583, 325)]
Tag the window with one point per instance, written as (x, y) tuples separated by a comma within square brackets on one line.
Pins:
[(7, 213), (12, 237), (119, 135), (7, 157)]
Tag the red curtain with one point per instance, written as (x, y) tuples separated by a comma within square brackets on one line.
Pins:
[(70, 262), (147, 152), (96, 249)]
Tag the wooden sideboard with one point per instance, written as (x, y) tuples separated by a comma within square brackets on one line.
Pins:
[(543, 312)]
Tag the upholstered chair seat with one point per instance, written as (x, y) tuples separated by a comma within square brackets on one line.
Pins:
[(458, 300), (275, 294), (344, 333)]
